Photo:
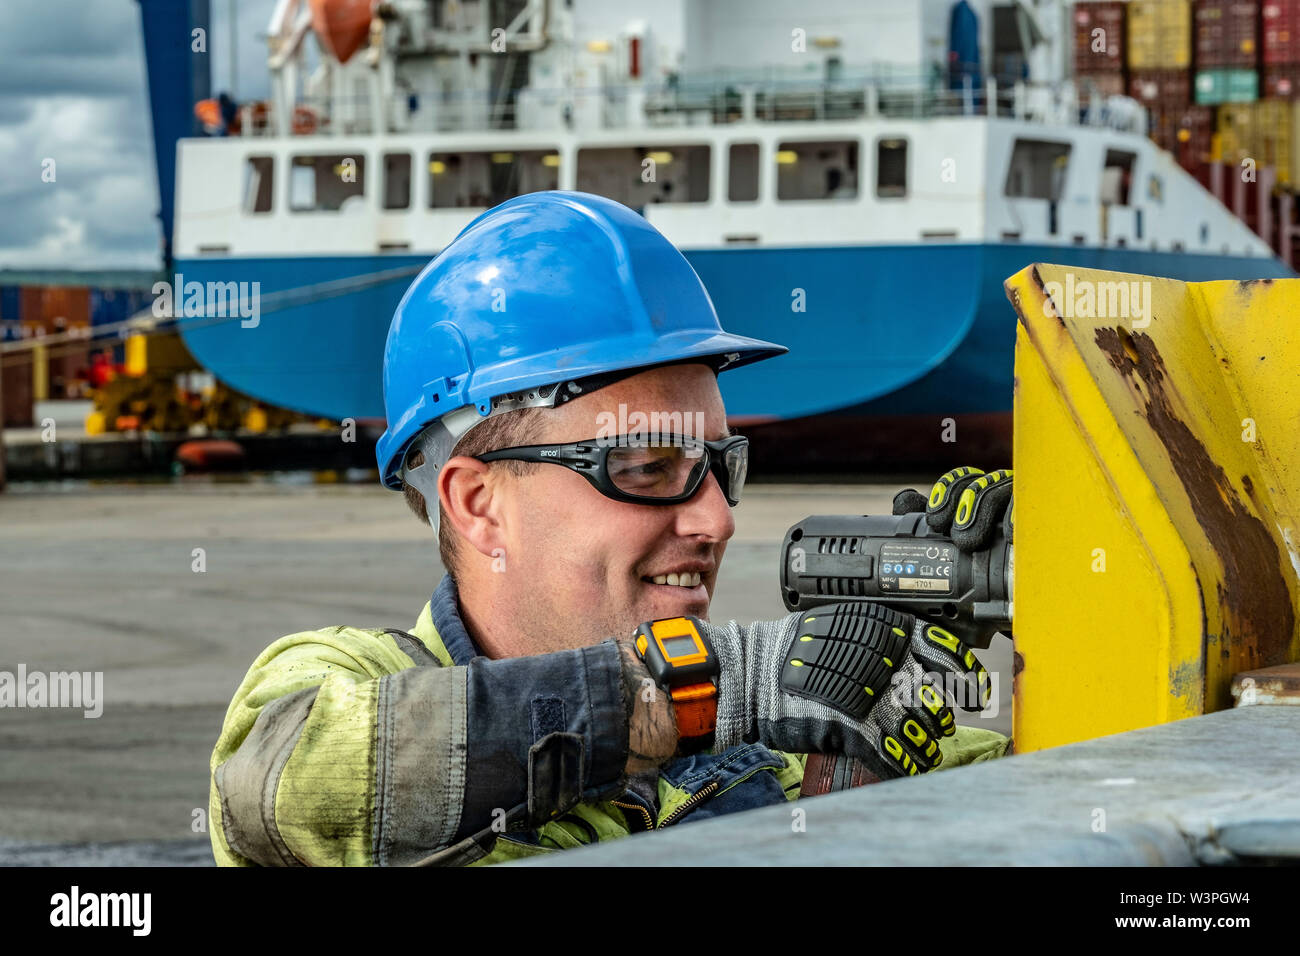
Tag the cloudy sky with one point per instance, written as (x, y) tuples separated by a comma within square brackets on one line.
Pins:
[(72, 89)]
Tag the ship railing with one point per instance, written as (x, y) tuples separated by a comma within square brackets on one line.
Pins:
[(714, 100)]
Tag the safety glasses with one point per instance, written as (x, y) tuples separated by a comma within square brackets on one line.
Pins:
[(662, 470)]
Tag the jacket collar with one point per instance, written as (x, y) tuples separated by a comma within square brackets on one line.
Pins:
[(440, 623)]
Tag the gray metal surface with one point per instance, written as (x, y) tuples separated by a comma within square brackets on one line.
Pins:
[(1222, 788), (196, 851)]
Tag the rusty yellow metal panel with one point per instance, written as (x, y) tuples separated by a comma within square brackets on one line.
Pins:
[(1157, 484)]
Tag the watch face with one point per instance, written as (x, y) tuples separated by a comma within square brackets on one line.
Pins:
[(675, 647), (676, 652)]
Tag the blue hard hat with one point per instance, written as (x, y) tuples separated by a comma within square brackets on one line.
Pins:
[(546, 288)]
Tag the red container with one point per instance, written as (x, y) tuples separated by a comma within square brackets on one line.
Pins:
[(1088, 18), (1166, 89), (69, 364), (54, 308), (1225, 32), (1187, 133), (16, 381), (1281, 81), (1280, 40)]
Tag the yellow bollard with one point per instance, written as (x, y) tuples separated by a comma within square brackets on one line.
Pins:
[(136, 354), (40, 373), (1157, 470)]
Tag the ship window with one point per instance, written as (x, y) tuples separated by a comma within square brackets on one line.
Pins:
[(1117, 177), (397, 180), (258, 184), (1037, 169), (822, 170), (484, 179), (891, 168), (325, 183), (637, 176), (742, 171)]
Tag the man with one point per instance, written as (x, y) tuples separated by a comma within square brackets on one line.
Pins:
[(520, 715)]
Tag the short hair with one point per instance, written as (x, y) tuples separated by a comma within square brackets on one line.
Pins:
[(518, 427)]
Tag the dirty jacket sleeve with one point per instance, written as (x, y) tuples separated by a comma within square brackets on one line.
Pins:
[(338, 750)]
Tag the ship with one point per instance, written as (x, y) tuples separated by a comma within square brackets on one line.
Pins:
[(854, 180)]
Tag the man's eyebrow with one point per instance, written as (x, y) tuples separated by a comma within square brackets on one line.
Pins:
[(726, 433)]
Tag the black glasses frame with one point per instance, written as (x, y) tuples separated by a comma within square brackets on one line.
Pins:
[(588, 458)]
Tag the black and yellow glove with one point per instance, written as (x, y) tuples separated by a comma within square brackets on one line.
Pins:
[(859, 679), (966, 504)]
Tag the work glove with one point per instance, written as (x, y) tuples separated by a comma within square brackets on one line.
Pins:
[(859, 679), (966, 504)]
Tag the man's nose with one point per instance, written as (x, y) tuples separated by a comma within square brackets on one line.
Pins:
[(708, 513)]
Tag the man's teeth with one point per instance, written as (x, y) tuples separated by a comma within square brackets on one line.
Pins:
[(687, 579)]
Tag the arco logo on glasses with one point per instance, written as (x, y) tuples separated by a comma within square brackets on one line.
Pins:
[(648, 470)]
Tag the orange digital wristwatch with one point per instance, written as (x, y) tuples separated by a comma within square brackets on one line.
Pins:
[(681, 661)]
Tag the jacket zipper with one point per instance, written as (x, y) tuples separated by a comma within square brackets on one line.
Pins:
[(649, 821), (691, 803), (700, 796)]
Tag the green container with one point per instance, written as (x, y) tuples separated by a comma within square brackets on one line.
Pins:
[(1226, 86)]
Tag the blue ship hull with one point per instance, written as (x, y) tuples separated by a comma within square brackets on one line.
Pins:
[(884, 331)]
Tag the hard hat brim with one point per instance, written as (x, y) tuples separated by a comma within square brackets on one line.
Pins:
[(722, 351)]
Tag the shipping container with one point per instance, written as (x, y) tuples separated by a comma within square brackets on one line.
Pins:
[(1263, 132), (1186, 133), (10, 303), (1226, 86), (1226, 32), (1099, 52), (16, 381), (117, 305), (1167, 89), (54, 308), (1280, 20), (1281, 81), (1159, 34), (69, 370)]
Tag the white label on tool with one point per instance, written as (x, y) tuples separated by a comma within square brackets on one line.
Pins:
[(917, 566), (922, 584)]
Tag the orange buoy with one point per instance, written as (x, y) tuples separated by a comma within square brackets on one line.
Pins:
[(341, 25), (210, 454)]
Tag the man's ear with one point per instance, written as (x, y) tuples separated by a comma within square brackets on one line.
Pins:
[(469, 496)]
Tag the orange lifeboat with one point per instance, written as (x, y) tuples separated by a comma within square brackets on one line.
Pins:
[(341, 26), (208, 113)]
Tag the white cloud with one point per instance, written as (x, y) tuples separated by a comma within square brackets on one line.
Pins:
[(73, 88)]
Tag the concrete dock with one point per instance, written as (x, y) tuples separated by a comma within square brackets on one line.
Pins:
[(100, 578)]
